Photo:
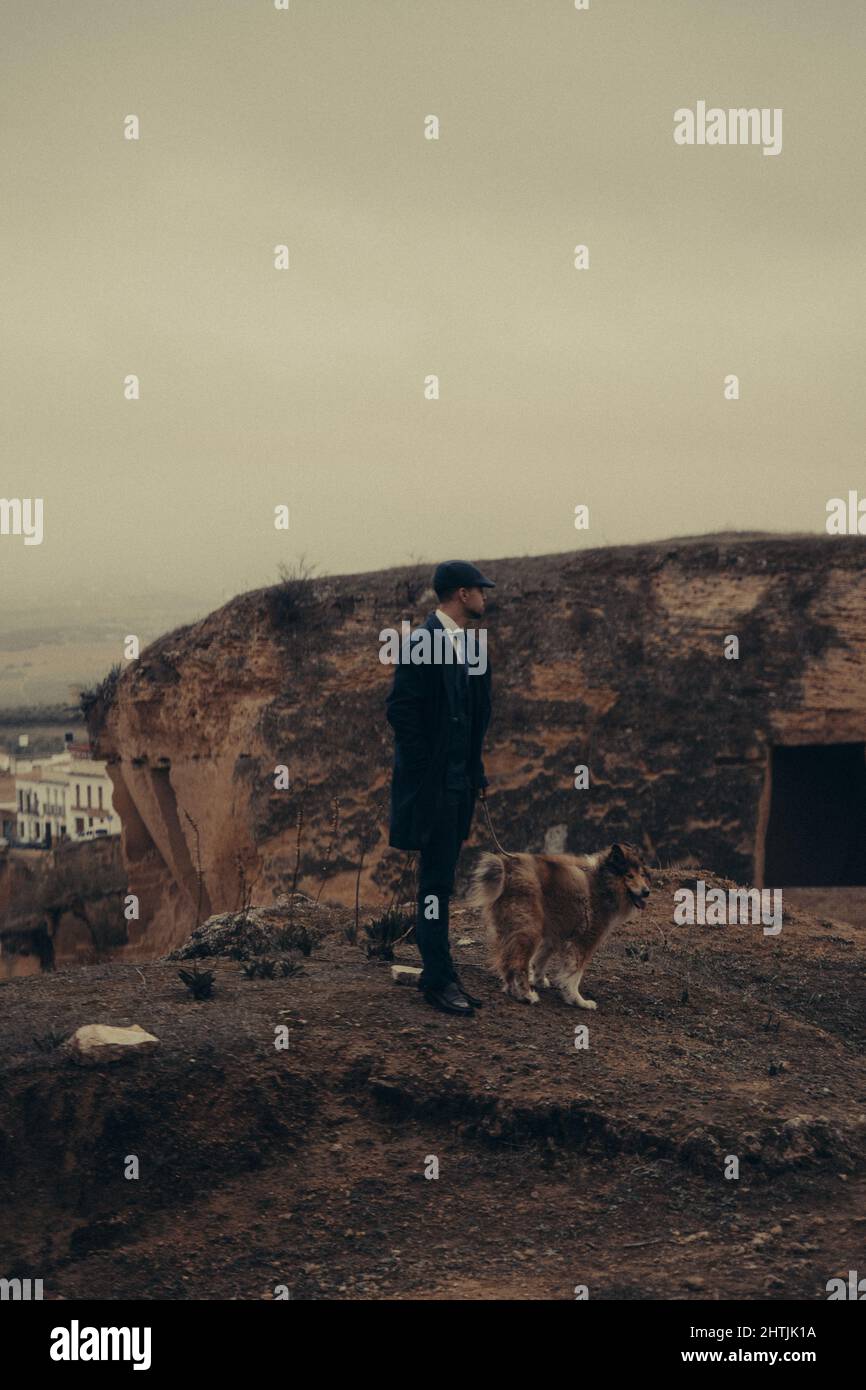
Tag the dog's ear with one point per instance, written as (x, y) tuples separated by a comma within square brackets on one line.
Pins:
[(616, 859)]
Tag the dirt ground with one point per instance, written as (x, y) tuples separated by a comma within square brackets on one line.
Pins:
[(558, 1166)]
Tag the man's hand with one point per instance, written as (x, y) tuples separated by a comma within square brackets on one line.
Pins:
[(482, 792)]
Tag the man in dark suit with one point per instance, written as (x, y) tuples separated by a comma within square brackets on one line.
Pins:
[(439, 709)]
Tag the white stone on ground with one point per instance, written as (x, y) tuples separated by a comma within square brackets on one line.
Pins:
[(97, 1042)]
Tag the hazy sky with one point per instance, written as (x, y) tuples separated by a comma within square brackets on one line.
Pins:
[(410, 257)]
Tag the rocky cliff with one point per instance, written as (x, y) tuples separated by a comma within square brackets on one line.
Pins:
[(60, 906), (612, 658)]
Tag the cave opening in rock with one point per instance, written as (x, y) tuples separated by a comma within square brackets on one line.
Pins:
[(816, 832)]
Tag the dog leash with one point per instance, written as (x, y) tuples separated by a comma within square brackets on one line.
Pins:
[(493, 832)]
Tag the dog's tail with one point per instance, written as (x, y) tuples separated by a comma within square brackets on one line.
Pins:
[(486, 882)]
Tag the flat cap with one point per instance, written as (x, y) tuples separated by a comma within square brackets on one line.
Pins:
[(459, 574)]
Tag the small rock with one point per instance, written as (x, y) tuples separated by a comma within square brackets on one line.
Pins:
[(95, 1043), (405, 974)]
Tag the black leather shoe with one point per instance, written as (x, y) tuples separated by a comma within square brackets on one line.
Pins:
[(449, 999), (476, 1003)]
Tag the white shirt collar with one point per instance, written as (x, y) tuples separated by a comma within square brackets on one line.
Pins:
[(447, 621)]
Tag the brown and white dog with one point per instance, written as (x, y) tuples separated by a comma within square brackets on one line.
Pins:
[(547, 913)]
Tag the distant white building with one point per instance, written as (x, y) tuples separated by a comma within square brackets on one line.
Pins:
[(8, 806), (90, 808), (64, 797), (41, 807)]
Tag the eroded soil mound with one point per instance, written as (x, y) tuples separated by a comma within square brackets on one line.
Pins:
[(244, 935), (305, 1164)]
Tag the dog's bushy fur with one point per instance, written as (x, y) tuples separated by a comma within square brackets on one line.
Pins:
[(547, 913)]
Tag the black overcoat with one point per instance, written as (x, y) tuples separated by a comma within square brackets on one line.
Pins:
[(421, 709)]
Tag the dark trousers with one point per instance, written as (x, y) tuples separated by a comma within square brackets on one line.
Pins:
[(437, 864)]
